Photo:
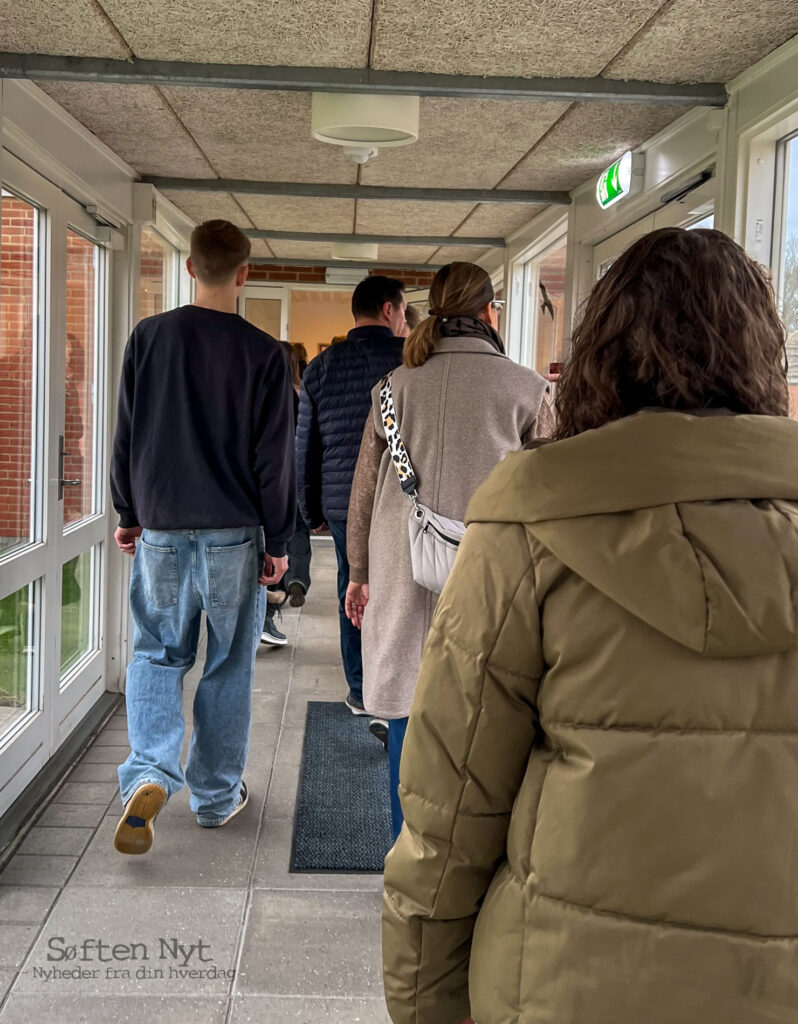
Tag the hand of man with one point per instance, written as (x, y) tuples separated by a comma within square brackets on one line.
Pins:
[(357, 597), (273, 570), (126, 538), (320, 529)]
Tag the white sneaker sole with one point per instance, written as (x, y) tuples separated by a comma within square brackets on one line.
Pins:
[(236, 810), (265, 638)]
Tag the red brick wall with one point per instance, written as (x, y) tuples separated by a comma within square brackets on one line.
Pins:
[(315, 275), (17, 278), (17, 325)]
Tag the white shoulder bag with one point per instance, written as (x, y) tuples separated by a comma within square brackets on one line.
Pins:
[(434, 539)]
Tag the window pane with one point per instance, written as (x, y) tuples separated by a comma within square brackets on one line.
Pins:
[(157, 274), (788, 276), (81, 354), (705, 222), (19, 326), (550, 300), (18, 646), (78, 635)]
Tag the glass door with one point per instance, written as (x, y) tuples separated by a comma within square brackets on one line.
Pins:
[(52, 471), (80, 490)]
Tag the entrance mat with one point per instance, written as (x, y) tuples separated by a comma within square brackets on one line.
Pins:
[(343, 813)]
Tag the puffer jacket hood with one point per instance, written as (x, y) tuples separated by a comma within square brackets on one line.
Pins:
[(599, 774), (677, 541)]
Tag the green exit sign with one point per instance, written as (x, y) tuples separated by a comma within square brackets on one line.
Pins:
[(617, 181)]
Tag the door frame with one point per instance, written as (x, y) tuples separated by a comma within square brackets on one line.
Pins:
[(57, 705)]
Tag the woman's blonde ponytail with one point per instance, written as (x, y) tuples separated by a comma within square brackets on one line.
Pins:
[(458, 289)]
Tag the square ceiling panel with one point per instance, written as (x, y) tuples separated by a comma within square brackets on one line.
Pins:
[(733, 35), (262, 136), (202, 206), (406, 254), (69, 27), (464, 143), (260, 248), (404, 217), (300, 250), (499, 220), (460, 254), (557, 39), (588, 139), (286, 213), (282, 32), (136, 123)]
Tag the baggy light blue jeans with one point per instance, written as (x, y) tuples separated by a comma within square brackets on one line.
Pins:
[(176, 575)]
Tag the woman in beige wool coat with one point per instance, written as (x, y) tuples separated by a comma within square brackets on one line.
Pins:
[(461, 405), (600, 777)]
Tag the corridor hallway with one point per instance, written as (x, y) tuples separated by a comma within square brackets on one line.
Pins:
[(270, 947)]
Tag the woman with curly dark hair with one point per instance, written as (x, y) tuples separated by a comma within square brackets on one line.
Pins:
[(600, 773)]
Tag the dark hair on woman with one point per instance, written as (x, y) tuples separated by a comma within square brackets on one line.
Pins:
[(292, 356), (458, 289), (683, 320)]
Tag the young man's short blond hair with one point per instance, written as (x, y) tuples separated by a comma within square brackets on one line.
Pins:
[(218, 249)]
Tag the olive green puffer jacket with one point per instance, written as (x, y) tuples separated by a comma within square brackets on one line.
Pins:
[(600, 775)]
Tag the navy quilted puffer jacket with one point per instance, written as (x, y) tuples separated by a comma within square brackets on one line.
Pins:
[(333, 407)]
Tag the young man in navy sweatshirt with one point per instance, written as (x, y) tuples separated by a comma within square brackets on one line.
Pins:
[(203, 473)]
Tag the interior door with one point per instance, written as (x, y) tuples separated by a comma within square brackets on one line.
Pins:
[(265, 306)]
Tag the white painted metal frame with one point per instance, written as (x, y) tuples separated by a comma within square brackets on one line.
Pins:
[(266, 290), (56, 708), (522, 293)]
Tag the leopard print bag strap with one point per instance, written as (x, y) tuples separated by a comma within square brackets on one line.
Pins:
[(399, 456)]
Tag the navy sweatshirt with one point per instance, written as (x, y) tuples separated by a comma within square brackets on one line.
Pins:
[(205, 432)]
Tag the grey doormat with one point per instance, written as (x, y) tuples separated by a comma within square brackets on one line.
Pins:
[(343, 813)]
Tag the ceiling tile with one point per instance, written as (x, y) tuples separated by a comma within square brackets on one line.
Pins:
[(136, 123), (464, 143), (282, 32), (559, 38), (202, 206), (460, 254), (498, 220), (261, 248), (69, 27), (295, 214), (404, 217), (301, 250), (734, 34), (588, 139), (322, 251), (263, 136), (406, 253)]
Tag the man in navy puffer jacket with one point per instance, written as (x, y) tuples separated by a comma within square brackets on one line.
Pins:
[(333, 406)]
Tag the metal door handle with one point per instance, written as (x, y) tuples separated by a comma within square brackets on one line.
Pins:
[(62, 483)]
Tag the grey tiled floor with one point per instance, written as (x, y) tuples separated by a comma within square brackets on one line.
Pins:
[(209, 927)]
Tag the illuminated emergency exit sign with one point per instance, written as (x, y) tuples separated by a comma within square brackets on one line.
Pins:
[(619, 180)]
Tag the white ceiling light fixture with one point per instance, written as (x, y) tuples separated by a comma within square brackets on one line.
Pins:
[(364, 124), (354, 250)]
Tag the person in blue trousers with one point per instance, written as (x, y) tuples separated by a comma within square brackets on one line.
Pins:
[(206, 499)]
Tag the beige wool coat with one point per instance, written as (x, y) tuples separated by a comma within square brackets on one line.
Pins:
[(600, 774), (459, 414)]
